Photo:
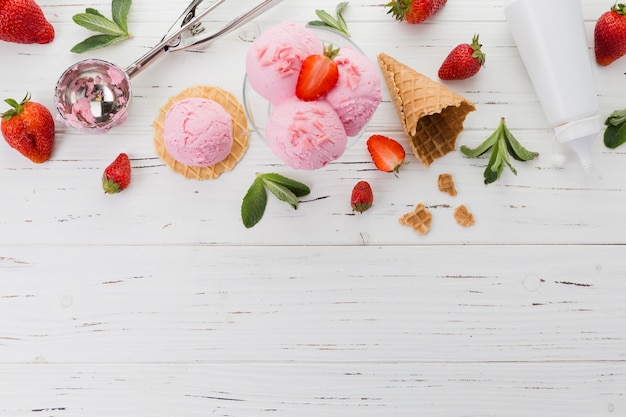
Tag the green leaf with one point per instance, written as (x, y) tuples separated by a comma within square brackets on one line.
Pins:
[(120, 10), (281, 192), (254, 203), (96, 42), (98, 23), (295, 187), (615, 136), (337, 23), (502, 143), (93, 11)]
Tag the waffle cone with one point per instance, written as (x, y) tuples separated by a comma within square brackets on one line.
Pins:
[(419, 219), (432, 115), (240, 132)]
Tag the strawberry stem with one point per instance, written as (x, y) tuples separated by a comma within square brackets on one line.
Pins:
[(16, 108)]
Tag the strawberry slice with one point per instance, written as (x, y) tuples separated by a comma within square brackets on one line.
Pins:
[(387, 154), (318, 75)]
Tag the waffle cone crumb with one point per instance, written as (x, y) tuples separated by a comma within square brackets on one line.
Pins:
[(240, 133), (419, 219), (431, 114), (463, 216), (445, 183)]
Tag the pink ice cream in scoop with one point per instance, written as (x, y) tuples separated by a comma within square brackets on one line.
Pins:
[(357, 94), (274, 60), (198, 132), (306, 134)]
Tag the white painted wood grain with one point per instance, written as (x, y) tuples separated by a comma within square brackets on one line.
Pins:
[(157, 301)]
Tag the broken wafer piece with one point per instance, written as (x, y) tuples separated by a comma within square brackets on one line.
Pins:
[(419, 219), (463, 216), (431, 114), (446, 184)]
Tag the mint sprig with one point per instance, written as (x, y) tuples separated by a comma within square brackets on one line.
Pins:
[(111, 31), (615, 133), (337, 23), (255, 200), (502, 143)]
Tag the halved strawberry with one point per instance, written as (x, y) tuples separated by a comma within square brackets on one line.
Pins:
[(318, 75), (387, 154)]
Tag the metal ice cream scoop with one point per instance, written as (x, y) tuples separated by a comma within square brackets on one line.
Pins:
[(94, 94)]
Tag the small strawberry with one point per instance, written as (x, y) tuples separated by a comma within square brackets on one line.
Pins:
[(116, 176), (23, 21), (610, 35), (414, 11), (463, 61), (362, 196), (28, 127), (387, 154), (318, 75)]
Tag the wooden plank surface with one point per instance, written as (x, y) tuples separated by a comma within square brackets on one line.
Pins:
[(159, 302)]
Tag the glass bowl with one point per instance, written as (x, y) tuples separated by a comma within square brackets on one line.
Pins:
[(258, 109)]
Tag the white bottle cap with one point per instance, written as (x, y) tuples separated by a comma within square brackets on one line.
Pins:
[(579, 136)]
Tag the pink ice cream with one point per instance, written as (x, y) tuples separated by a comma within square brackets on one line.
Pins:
[(198, 132), (357, 94), (274, 60), (306, 134)]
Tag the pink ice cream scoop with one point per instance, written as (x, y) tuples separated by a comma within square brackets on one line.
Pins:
[(305, 134), (357, 94), (274, 60), (198, 132)]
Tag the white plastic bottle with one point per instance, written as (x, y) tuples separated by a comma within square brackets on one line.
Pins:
[(550, 37)]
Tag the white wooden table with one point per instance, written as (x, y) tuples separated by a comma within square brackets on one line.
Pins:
[(158, 302)]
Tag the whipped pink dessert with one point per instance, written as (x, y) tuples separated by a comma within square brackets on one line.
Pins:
[(357, 94), (274, 60), (306, 134), (198, 132)]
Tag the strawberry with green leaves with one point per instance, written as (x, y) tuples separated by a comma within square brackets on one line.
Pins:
[(414, 11), (610, 35), (28, 127), (464, 61), (318, 75), (116, 176), (388, 155), (23, 21), (362, 197)]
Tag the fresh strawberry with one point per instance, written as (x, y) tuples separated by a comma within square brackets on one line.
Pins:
[(28, 127), (463, 61), (23, 21), (610, 35), (318, 75), (414, 11), (387, 154), (362, 196), (116, 176)]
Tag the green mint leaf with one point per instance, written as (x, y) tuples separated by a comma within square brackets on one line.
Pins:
[(93, 11), (502, 143), (295, 187), (515, 148), (334, 23), (96, 42), (254, 203), (615, 136), (281, 192), (98, 23), (120, 10)]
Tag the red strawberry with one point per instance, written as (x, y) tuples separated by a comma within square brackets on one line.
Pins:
[(463, 61), (387, 154), (362, 196), (610, 35), (29, 128), (414, 11), (116, 176), (23, 21), (318, 75)]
